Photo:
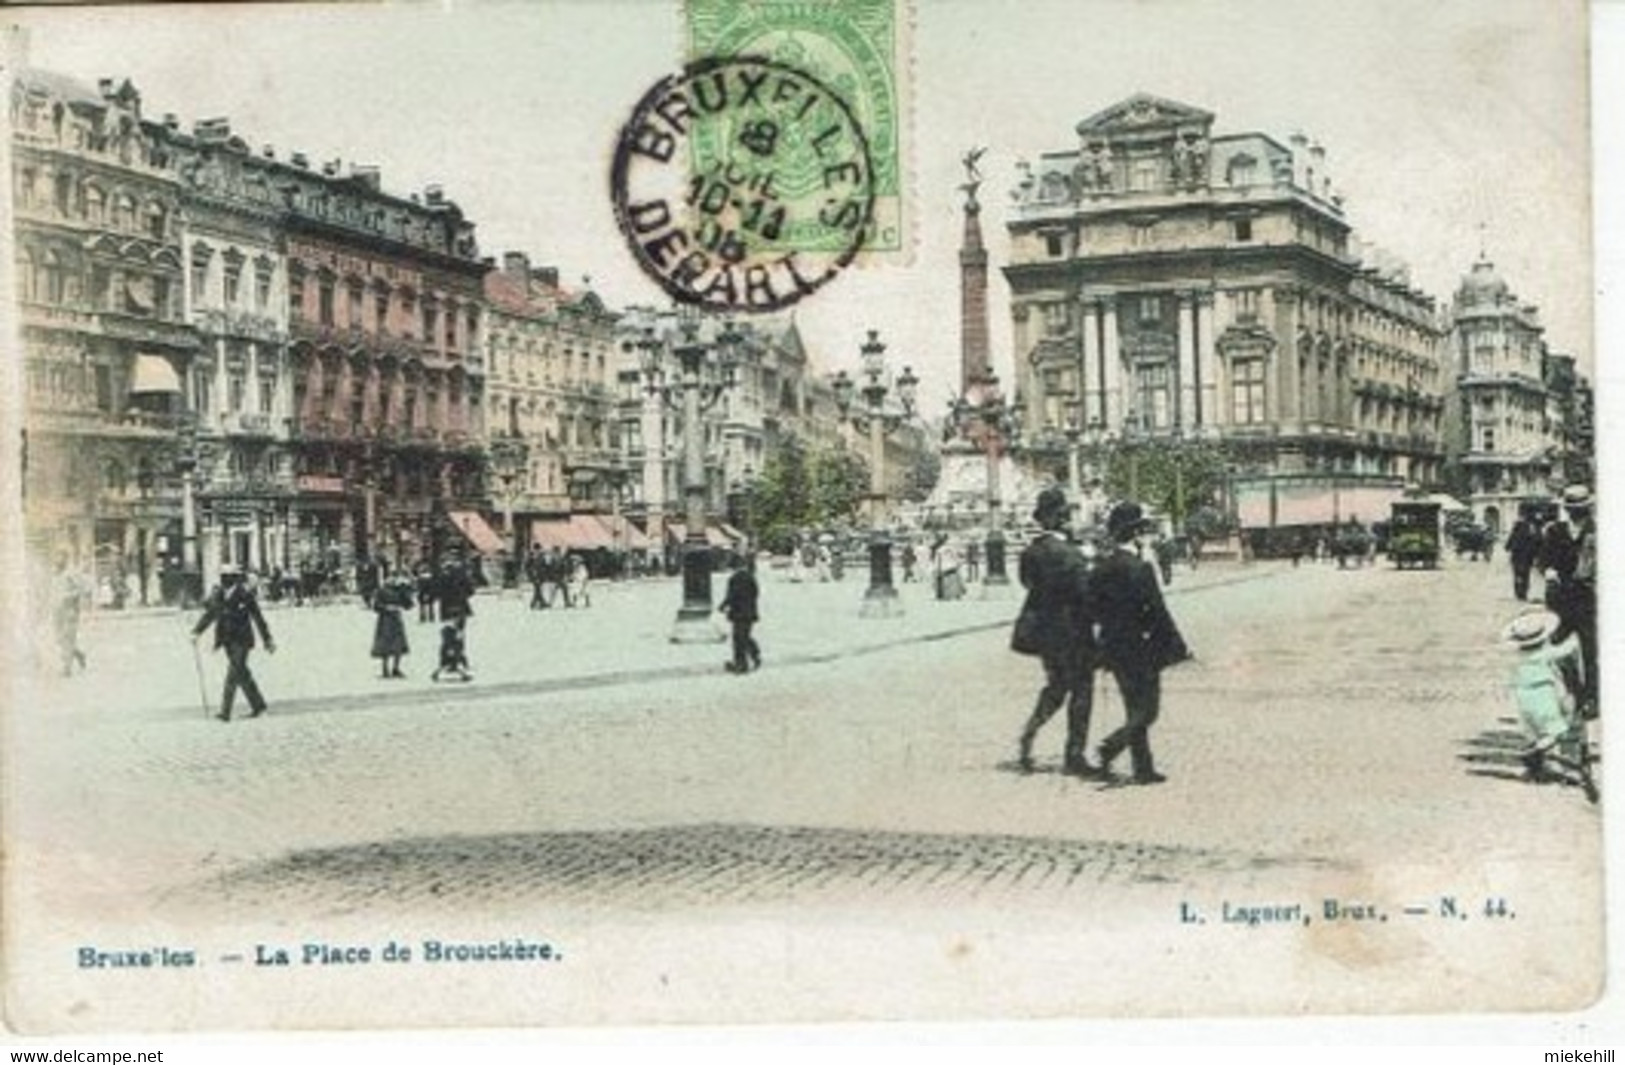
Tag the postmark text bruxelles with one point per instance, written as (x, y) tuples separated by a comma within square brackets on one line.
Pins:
[(743, 184)]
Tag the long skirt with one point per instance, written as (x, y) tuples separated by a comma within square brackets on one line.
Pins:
[(389, 635)]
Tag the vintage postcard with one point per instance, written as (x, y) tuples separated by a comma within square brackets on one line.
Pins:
[(797, 511)]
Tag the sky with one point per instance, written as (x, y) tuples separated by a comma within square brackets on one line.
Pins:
[(1451, 127)]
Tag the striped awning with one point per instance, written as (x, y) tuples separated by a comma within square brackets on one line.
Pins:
[(714, 536), (578, 532), (477, 532)]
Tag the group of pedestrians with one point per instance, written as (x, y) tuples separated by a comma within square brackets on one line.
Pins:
[(1082, 617), (1555, 678), (558, 577)]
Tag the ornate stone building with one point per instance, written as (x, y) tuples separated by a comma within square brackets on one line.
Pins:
[(1182, 284), (385, 313), (98, 263), (239, 389), (551, 354), (1512, 429)]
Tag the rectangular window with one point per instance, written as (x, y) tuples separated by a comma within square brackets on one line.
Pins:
[(1150, 308), (1144, 175), (325, 309), (296, 298), (1243, 229), (1247, 391), (234, 393), (451, 331), (1155, 398), (381, 310), (1052, 245), (233, 282), (352, 309), (262, 284), (267, 394), (430, 319), (104, 388)]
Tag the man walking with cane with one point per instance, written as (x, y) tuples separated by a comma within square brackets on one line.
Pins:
[(234, 611)]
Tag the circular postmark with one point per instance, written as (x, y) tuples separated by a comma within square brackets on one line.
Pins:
[(743, 184)]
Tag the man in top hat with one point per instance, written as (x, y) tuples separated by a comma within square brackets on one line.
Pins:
[(1056, 576), (234, 611), (1138, 637), (1571, 586)]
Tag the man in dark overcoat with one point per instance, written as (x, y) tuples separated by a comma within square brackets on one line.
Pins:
[(1056, 576), (234, 612), (1138, 637), (1523, 547), (739, 603)]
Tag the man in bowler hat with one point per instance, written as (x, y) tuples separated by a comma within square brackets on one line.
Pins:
[(234, 611), (1138, 637), (1056, 576)]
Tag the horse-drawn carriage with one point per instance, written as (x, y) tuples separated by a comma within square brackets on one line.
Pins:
[(1413, 534)]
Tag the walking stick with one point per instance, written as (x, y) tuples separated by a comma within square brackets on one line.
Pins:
[(202, 689)]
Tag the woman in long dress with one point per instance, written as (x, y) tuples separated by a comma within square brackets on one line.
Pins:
[(389, 633)]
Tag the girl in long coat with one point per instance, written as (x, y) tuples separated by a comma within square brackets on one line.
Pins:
[(389, 634)]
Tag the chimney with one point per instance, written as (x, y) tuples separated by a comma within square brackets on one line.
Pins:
[(516, 264), (546, 275), (172, 121), (332, 167), (434, 195), (268, 151), (301, 160), (369, 177)]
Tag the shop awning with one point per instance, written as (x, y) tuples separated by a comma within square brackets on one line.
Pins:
[(154, 373), (578, 532), (477, 532), (623, 533), (713, 535)]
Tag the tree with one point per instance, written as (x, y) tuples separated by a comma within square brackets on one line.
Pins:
[(840, 483)]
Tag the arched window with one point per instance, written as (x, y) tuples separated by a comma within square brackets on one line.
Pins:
[(124, 211), (95, 203)]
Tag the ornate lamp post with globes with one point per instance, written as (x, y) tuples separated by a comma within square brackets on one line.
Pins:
[(707, 370), (880, 600)]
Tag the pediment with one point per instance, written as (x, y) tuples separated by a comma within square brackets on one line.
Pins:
[(1140, 112)]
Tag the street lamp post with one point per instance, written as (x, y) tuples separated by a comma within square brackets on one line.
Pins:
[(880, 599), (1074, 462), (996, 418), (707, 371), (509, 459)]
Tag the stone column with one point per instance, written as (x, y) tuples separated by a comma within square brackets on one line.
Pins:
[(1210, 399), (1112, 356), (1090, 382), (1185, 412)]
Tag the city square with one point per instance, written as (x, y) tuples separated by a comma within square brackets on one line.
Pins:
[(616, 604)]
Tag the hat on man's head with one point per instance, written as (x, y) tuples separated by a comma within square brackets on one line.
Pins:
[(1530, 630), (1126, 521), (1051, 508), (230, 569), (1576, 495)]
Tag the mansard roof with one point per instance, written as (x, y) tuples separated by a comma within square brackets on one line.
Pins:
[(1143, 111)]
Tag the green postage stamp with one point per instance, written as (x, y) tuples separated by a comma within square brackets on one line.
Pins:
[(856, 48)]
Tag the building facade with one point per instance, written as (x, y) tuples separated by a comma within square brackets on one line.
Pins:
[(1181, 284), (106, 345), (239, 389), (385, 314), (1513, 421), (551, 354)]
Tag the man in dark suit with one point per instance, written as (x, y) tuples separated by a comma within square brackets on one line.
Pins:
[(739, 603), (1138, 638), (1523, 546), (1056, 576), (234, 611)]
